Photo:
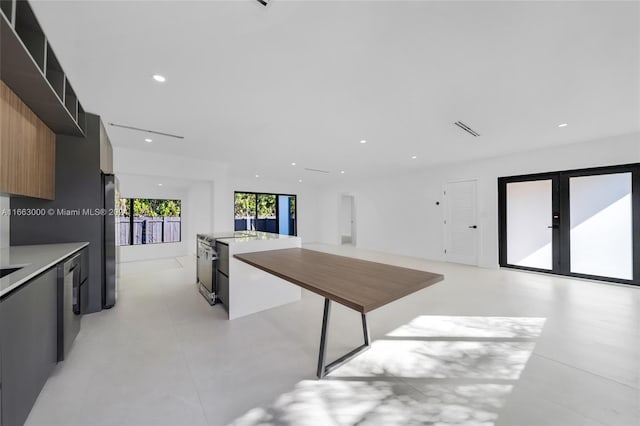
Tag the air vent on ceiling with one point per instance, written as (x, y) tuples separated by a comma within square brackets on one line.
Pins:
[(138, 129), (316, 170), (467, 128)]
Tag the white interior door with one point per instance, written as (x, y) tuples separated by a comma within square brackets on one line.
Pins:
[(461, 222)]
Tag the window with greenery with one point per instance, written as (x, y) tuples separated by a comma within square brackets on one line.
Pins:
[(275, 213), (148, 221)]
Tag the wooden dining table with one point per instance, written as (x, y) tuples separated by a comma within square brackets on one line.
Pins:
[(358, 284)]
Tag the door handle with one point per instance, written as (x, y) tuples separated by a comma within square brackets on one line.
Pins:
[(473, 226), (552, 226)]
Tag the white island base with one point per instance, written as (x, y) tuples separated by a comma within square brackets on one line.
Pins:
[(251, 289)]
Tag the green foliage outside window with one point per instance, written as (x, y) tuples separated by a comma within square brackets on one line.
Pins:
[(150, 208), (123, 207), (266, 205), (245, 205)]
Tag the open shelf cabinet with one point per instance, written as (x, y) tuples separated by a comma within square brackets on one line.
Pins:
[(30, 68)]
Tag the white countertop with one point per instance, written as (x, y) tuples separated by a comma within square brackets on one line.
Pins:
[(35, 259), (244, 236)]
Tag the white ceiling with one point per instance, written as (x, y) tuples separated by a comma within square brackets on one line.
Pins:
[(305, 81)]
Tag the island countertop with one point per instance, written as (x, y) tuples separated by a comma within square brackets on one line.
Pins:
[(244, 236), (35, 259)]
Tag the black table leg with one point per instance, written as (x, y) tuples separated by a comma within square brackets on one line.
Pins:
[(323, 369)]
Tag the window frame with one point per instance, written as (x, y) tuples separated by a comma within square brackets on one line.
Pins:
[(277, 195), (131, 217), (562, 228)]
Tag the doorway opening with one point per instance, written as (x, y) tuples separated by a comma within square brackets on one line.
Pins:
[(347, 220)]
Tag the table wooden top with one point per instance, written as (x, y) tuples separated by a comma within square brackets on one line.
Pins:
[(359, 284)]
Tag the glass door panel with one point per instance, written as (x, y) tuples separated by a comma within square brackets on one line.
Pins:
[(529, 224), (266, 204), (286, 214), (601, 225), (244, 207)]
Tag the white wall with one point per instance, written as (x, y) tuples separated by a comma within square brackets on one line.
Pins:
[(398, 214), (199, 206), (133, 162), (207, 194), (306, 199), (5, 220), (201, 185)]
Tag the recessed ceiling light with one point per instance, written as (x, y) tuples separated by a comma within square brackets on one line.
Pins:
[(563, 125), (257, 176), (341, 172), (159, 184), (159, 78), (293, 164), (363, 141), (413, 157), (299, 180), (147, 140)]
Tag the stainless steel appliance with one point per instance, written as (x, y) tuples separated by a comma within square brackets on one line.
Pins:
[(69, 280), (109, 273), (212, 265), (206, 268)]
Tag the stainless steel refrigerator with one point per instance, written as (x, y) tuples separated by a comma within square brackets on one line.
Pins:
[(109, 276)]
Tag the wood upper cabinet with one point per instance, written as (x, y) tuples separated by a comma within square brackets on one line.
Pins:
[(27, 150)]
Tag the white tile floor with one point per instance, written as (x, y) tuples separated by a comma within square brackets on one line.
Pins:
[(483, 347)]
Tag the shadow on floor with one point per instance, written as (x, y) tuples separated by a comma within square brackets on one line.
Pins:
[(443, 370)]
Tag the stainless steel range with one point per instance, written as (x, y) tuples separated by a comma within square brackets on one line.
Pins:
[(206, 267), (207, 263)]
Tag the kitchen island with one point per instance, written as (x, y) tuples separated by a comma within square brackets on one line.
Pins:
[(242, 289)]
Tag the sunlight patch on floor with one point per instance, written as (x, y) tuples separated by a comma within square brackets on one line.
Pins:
[(446, 370), (472, 327), (331, 402)]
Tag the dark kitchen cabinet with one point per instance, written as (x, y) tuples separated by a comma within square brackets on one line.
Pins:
[(79, 187), (223, 257), (222, 273), (223, 289), (29, 66), (28, 345)]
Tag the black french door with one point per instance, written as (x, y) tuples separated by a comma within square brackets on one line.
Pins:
[(581, 223)]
